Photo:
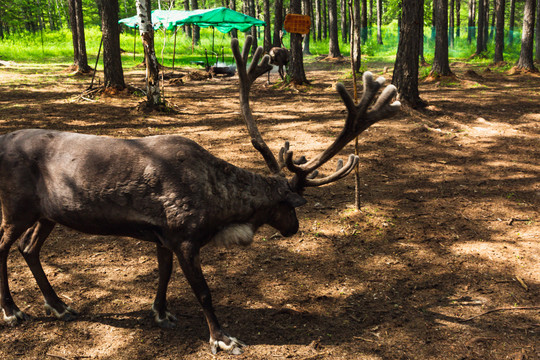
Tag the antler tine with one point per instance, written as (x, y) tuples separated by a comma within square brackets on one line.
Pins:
[(246, 79), (359, 118), (341, 172)]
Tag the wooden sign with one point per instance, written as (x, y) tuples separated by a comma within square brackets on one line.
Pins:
[(298, 24)]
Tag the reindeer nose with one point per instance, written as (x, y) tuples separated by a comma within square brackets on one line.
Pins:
[(290, 231)]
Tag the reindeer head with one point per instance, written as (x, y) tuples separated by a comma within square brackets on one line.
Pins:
[(305, 173)]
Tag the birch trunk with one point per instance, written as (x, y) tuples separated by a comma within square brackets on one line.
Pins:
[(152, 70)]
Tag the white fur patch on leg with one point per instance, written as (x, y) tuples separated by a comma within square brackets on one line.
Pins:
[(234, 347), (13, 319), (168, 321), (235, 234), (65, 315)]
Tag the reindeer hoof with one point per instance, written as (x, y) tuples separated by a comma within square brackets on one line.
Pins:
[(166, 322), (66, 314), (227, 343), (14, 319)]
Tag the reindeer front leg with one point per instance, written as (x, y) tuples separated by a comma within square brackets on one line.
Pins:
[(188, 256)]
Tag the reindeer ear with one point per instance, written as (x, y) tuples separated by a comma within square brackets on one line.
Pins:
[(295, 200)]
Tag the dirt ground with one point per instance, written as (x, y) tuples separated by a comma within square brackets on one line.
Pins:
[(442, 261)]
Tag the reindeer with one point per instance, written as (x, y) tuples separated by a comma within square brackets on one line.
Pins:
[(279, 56), (163, 189)]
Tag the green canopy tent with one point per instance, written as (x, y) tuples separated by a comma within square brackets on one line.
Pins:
[(222, 18)]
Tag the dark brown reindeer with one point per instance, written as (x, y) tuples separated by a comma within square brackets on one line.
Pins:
[(280, 57), (164, 189)]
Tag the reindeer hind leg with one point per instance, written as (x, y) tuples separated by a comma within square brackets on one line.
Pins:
[(163, 318), (30, 246)]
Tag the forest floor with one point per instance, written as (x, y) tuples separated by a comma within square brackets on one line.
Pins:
[(442, 261)]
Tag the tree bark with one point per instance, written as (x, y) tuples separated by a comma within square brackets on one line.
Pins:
[(458, 18), (306, 10), (187, 28), (112, 61), (471, 23), (356, 40), (538, 31), (379, 22), (343, 18), (267, 28), (196, 31), (278, 22), (79, 43), (451, 23), (499, 35), (511, 22), (232, 6), (324, 19), (405, 76), (318, 20), (251, 12), (480, 40), (333, 50), (153, 96), (296, 67), (74, 32), (525, 61), (440, 61), (364, 23)]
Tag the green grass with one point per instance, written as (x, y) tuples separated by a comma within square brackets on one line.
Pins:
[(56, 47)]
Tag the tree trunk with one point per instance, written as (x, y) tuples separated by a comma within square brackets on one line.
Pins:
[(525, 61), (363, 22), (333, 50), (343, 25), (440, 61), (480, 41), (538, 31), (486, 24), (306, 10), (379, 22), (232, 6), (187, 28), (499, 36), (278, 22), (296, 67), (79, 44), (196, 31), (324, 20), (405, 76), (112, 61), (74, 32), (153, 96), (493, 17), (451, 23), (511, 22), (252, 13), (471, 23), (458, 18), (267, 28), (356, 40), (318, 20)]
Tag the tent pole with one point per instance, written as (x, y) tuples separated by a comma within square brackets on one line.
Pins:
[(174, 48), (134, 42), (213, 33)]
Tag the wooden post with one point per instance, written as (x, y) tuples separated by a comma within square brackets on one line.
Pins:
[(174, 48)]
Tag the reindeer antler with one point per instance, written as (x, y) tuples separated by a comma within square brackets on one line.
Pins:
[(247, 77), (359, 118)]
